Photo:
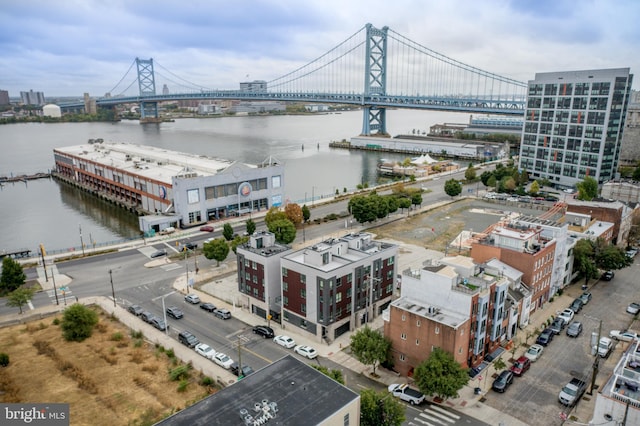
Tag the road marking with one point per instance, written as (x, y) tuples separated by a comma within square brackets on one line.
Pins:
[(30, 305), (442, 410), (422, 421), (433, 419), (170, 267), (440, 415)]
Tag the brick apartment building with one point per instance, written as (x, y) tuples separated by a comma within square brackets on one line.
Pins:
[(524, 248)]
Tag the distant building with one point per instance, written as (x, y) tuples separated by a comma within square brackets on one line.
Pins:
[(4, 98), (607, 219), (255, 86), (626, 191), (286, 392), (165, 89), (256, 107), (573, 126), (487, 125), (209, 109), (32, 98), (338, 284)]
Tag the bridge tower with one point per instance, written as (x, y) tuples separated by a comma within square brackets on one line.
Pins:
[(375, 81), (147, 86)]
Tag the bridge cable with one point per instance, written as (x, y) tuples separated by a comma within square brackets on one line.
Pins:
[(125, 74), (197, 86)]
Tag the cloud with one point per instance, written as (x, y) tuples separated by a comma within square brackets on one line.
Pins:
[(70, 47)]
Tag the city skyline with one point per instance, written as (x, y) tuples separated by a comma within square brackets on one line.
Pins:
[(68, 48)]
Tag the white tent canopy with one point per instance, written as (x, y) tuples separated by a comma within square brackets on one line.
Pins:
[(423, 159)]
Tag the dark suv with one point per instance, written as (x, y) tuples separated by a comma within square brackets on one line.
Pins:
[(576, 305), (557, 325), (246, 370), (174, 312), (188, 339), (545, 337), (135, 310), (264, 331)]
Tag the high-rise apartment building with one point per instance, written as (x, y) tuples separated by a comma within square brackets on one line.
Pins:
[(32, 98), (4, 97), (573, 125)]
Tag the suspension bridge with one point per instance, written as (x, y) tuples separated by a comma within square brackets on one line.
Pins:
[(375, 68)]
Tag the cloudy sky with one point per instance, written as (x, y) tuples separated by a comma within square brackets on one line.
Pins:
[(68, 47)]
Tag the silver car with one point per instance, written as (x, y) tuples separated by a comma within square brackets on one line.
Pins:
[(574, 329)]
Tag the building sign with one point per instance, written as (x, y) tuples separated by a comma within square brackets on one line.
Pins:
[(276, 200), (245, 189), (163, 192)]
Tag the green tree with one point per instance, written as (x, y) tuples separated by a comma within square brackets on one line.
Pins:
[(611, 257), (392, 204), (508, 183), (12, 275), (274, 214), (333, 373), (363, 208), (250, 227), (370, 347), (452, 188), (238, 241), (306, 213), (441, 375), (217, 249), (587, 189), (416, 199), (380, 409), (227, 231), (20, 297), (583, 259), (485, 176), (284, 230), (78, 322), (404, 203), (491, 183), (470, 173), (534, 188)]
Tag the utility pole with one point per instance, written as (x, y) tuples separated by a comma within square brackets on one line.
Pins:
[(44, 265), (81, 242), (596, 360), (55, 289), (113, 291)]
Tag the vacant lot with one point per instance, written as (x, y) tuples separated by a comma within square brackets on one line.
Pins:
[(113, 378)]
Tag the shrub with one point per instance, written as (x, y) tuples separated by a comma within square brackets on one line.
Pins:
[(138, 343), (183, 385), (181, 372), (4, 359), (206, 381), (170, 353), (56, 321), (117, 336), (137, 334), (78, 322)]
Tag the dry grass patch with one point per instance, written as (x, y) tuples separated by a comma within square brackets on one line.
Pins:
[(109, 379)]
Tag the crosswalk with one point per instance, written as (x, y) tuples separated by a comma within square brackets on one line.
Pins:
[(433, 415)]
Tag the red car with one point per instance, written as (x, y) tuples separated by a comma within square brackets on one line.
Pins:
[(521, 366), (206, 228)]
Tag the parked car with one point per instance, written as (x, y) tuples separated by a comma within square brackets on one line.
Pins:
[(188, 339), (574, 329), (222, 313), (624, 335), (208, 307), (264, 331), (572, 392), (585, 297), (158, 323), (223, 360), (306, 351), (192, 298), (608, 276), (285, 341), (545, 337), (633, 308), (174, 312), (604, 346), (557, 325), (135, 310), (521, 366), (576, 305), (534, 352), (246, 370), (206, 228), (147, 316), (567, 315), (205, 350), (405, 393), (502, 382), (158, 253), (631, 253)]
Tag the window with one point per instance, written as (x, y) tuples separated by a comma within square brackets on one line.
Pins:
[(346, 419), (284, 272), (417, 342), (303, 279), (338, 297), (303, 293), (303, 309), (275, 181), (404, 318), (193, 196), (402, 358), (437, 330), (403, 336), (285, 286), (418, 323), (390, 260)]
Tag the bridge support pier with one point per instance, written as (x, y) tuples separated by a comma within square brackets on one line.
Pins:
[(375, 81), (147, 86)]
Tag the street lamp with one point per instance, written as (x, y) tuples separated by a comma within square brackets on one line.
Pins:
[(164, 311), (81, 242), (596, 356), (113, 291)]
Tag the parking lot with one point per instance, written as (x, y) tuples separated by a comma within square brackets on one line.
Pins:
[(533, 398)]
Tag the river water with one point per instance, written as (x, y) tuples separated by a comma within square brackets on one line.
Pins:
[(60, 217)]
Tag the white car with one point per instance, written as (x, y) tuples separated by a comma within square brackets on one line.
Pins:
[(534, 352), (223, 360), (192, 298), (633, 308), (624, 335), (285, 341), (567, 315), (307, 351), (205, 350)]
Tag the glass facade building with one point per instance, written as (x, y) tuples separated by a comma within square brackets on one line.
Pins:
[(573, 125)]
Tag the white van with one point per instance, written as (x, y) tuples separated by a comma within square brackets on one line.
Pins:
[(167, 231)]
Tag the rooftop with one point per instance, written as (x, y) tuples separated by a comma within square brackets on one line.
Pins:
[(431, 312), (148, 161), (289, 390), (624, 383)]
